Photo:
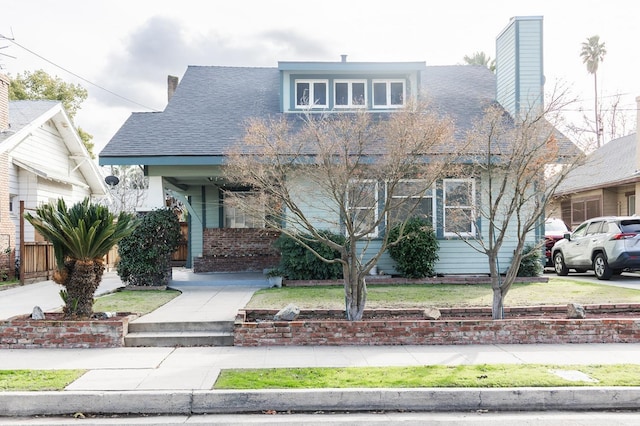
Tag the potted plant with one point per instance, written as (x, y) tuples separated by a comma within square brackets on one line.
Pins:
[(275, 276)]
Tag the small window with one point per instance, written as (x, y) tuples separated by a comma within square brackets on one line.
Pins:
[(459, 201), (237, 217), (350, 94), (311, 93), (388, 94), (362, 206), (411, 199)]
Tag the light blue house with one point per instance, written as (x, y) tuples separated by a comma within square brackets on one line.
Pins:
[(183, 147)]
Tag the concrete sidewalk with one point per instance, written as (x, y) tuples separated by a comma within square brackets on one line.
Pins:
[(180, 379)]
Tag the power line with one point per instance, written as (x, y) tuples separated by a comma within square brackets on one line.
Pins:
[(76, 75)]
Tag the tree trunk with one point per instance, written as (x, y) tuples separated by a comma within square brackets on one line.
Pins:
[(81, 282), (497, 306), (356, 297)]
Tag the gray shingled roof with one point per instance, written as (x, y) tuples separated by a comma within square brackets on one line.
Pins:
[(23, 113), (209, 109), (612, 163)]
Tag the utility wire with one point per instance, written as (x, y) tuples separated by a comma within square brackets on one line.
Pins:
[(78, 76)]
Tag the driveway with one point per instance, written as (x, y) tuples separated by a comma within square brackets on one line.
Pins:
[(626, 279)]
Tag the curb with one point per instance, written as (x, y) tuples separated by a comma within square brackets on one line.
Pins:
[(14, 404)]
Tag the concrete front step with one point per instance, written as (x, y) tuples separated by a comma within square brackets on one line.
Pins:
[(169, 334)]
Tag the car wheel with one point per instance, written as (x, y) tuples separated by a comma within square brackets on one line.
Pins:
[(601, 267), (559, 265)]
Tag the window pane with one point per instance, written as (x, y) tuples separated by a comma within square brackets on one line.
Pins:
[(458, 193), (458, 220), (379, 93), (357, 94), (396, 93), (342, 93), (578, 212), (302, 93), (320, 93), (593, 208)]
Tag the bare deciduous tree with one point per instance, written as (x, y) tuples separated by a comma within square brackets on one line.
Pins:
[(521, 163), (341, 172), (130, 191)]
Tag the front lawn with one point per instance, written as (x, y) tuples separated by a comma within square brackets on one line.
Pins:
[(558, 291), (136, 301)]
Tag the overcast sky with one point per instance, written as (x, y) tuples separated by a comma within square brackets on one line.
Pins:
[(123, 51)]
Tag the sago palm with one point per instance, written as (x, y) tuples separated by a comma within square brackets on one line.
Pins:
[(81, 236)]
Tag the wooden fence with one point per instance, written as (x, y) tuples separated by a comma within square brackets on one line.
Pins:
[(37, 261)]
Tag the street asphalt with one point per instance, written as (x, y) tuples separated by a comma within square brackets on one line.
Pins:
[(179, 380)]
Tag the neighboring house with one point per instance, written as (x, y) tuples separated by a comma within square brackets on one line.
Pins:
[(42, 158), (183, 148), (605, 185)]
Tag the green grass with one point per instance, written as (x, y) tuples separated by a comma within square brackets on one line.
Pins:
[(136, 301), (9, 283), (466, 376), (558, 291), (37, 380)]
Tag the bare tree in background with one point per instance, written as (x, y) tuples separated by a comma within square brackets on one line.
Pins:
[(342, 172), (130, 192), (521, 163)]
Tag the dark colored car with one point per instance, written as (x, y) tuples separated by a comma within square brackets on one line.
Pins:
[(554, 230), (606, 245)]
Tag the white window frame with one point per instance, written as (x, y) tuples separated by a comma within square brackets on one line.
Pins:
[(470, 208), (311, 83), (228, 211), (388, 93), (350, 84), (429, 193), (375, 206)]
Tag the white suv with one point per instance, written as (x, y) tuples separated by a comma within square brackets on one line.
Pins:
[(606, 245)]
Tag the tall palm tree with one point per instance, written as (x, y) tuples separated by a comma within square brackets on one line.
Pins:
[(592, 54), (81, 236)]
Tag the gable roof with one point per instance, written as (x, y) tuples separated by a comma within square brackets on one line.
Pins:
[(612, 164), (208, 112), (28, 115)]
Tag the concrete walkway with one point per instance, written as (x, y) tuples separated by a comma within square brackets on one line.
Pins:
[(180, 379)]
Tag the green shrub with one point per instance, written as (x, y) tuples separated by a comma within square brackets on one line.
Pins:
[(299, 263), (531, 262), (145, 255), (417, 252)]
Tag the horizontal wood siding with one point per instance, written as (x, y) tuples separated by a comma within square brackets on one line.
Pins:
[(530, 64)]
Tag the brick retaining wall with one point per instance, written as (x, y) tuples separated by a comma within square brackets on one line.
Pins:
[(25, 333), (441, 332)]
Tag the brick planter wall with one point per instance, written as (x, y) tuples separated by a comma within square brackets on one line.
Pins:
[(237, 250), (440, 332), (25, 333)]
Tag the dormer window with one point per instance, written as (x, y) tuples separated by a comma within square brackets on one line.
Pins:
[(388, 93), (311, 93), (350, 93)]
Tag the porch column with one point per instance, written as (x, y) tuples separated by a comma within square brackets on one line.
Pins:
[(155, 195)]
